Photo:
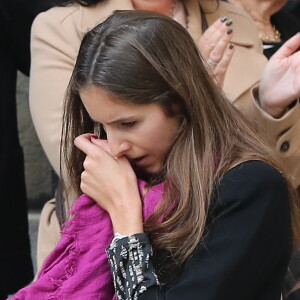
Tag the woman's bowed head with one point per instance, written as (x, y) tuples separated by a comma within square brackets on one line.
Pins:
[(141, 82)]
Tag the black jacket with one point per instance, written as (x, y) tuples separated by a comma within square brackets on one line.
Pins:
[(247, 245)]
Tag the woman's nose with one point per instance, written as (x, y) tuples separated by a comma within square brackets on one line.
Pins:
[(118, 147)]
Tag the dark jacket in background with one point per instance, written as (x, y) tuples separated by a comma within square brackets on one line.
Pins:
[(16, 270), (287, 23)]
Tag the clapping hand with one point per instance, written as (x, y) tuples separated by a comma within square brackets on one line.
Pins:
[(215, 47), (280, 82)]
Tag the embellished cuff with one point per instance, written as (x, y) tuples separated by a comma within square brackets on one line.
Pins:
[(131, 266)]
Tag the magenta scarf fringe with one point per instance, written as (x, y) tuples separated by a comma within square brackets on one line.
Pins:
[(78, 266)]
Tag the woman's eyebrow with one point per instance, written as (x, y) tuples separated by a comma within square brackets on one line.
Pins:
[(118, 120)]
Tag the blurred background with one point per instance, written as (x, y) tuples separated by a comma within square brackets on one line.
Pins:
[(37, 168)]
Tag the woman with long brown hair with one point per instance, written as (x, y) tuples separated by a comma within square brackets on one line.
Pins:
[(178, 188), (213, 25), (226, 221)]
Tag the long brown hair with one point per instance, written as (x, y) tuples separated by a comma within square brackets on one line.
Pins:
[(145, 57)]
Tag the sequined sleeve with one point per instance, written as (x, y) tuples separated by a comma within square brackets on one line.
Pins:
[(130, 260)]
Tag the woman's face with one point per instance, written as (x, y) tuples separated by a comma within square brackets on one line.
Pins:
[(143, 133)]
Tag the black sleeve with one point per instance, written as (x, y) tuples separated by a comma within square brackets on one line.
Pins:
[(130, 260), (247, 244)]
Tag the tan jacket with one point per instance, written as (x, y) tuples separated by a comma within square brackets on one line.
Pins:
[(56, 37)]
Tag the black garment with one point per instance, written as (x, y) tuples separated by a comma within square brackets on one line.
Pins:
[(292, 278), (244, 253), (287, 21), (287, 24), (293, 7), (15, 259)]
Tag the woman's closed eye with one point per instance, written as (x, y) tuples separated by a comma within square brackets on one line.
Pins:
[(128, 124)]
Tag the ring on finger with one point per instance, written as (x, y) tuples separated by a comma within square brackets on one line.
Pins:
[(212, 62)]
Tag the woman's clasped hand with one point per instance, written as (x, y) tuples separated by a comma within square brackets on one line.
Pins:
[(112, 183)]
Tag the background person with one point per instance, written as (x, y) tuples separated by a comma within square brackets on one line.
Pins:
[(275, 23)]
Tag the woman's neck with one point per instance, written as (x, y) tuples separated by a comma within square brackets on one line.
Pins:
[(261, 12), (162, 6)]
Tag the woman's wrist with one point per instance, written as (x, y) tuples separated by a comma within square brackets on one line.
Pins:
[(276, 111), (275, 108), (128, 221)]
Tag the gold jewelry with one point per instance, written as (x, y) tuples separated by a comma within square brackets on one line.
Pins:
[(271, 39)]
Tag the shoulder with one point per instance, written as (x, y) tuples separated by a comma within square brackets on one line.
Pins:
[(72, 20), (62, 28), (56, 15), (80, 17), (255, 170), (57, 28), (252, 184)]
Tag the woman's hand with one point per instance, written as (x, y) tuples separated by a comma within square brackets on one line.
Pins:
[(216, 49), (280, 82), (112, 183)]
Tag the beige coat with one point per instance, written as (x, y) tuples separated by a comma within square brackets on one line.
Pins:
[(56, 37)]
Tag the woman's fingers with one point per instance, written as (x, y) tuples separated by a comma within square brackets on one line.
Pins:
[(83, 142), (288, 48), (217, 53), (210, 38), (222, 67), (219, 30), (216, 48), (103, 144), (89, 144)]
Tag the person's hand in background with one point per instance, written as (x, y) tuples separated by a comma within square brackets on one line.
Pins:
[(280, 82), (215, 47)]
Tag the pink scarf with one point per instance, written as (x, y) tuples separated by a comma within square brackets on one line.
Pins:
[(78, 267)]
